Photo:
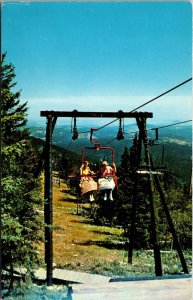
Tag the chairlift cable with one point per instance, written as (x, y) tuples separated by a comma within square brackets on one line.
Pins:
[(170, 125), (107, 124), (110, 141), (168, 91), (68, 146), (149, 130), (100, 127), (173, 124)]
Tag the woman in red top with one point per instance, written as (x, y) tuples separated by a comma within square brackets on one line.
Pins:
[(106, 171)]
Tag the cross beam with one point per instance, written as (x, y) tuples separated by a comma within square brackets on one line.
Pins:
[(87, 114)]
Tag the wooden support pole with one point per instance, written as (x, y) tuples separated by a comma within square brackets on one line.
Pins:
[(48, 203), (170, 222), (157, 256), (134, 200), (43, 154), (133, 220)]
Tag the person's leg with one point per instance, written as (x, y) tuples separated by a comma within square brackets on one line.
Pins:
[(105, 195), (91, 196), (111, 195)]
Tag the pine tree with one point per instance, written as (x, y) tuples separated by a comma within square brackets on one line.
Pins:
[(20, 191), (129, 163), (125, 191)]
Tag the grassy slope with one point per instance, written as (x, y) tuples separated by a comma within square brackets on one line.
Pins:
[(82, 246), (79, 244)]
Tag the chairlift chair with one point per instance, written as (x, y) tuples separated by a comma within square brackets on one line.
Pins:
[(103, 183)]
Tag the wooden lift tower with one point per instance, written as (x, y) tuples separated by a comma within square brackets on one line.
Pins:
[(46, 156)]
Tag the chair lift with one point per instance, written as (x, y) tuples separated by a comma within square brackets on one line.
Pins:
[(106, 183)]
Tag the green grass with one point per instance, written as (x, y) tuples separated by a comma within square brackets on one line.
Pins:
[(142, 264)]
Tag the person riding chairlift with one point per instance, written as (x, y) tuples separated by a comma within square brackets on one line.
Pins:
[(109, 171), (84, 172)]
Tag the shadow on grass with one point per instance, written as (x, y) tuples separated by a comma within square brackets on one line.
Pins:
[(104, 232), (106, 244), (89, 222), (69, 200), (65, 190)]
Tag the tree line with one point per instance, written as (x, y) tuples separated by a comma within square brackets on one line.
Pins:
[(21, 227)]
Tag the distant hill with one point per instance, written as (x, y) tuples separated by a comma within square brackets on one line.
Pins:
[(176, 140)]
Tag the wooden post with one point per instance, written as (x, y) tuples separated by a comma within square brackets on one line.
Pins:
[(134, 201), (157, 256), (170, 223), (48, 202), (133, 220), (43, 154)]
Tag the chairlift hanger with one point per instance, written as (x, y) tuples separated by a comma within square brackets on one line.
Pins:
[(97, 147), (152, 143), (120, 135), (75, 131)]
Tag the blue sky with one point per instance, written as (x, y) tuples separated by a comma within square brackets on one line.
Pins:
[(101, 56)]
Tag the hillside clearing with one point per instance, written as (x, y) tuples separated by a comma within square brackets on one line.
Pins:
[(79, 245)]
